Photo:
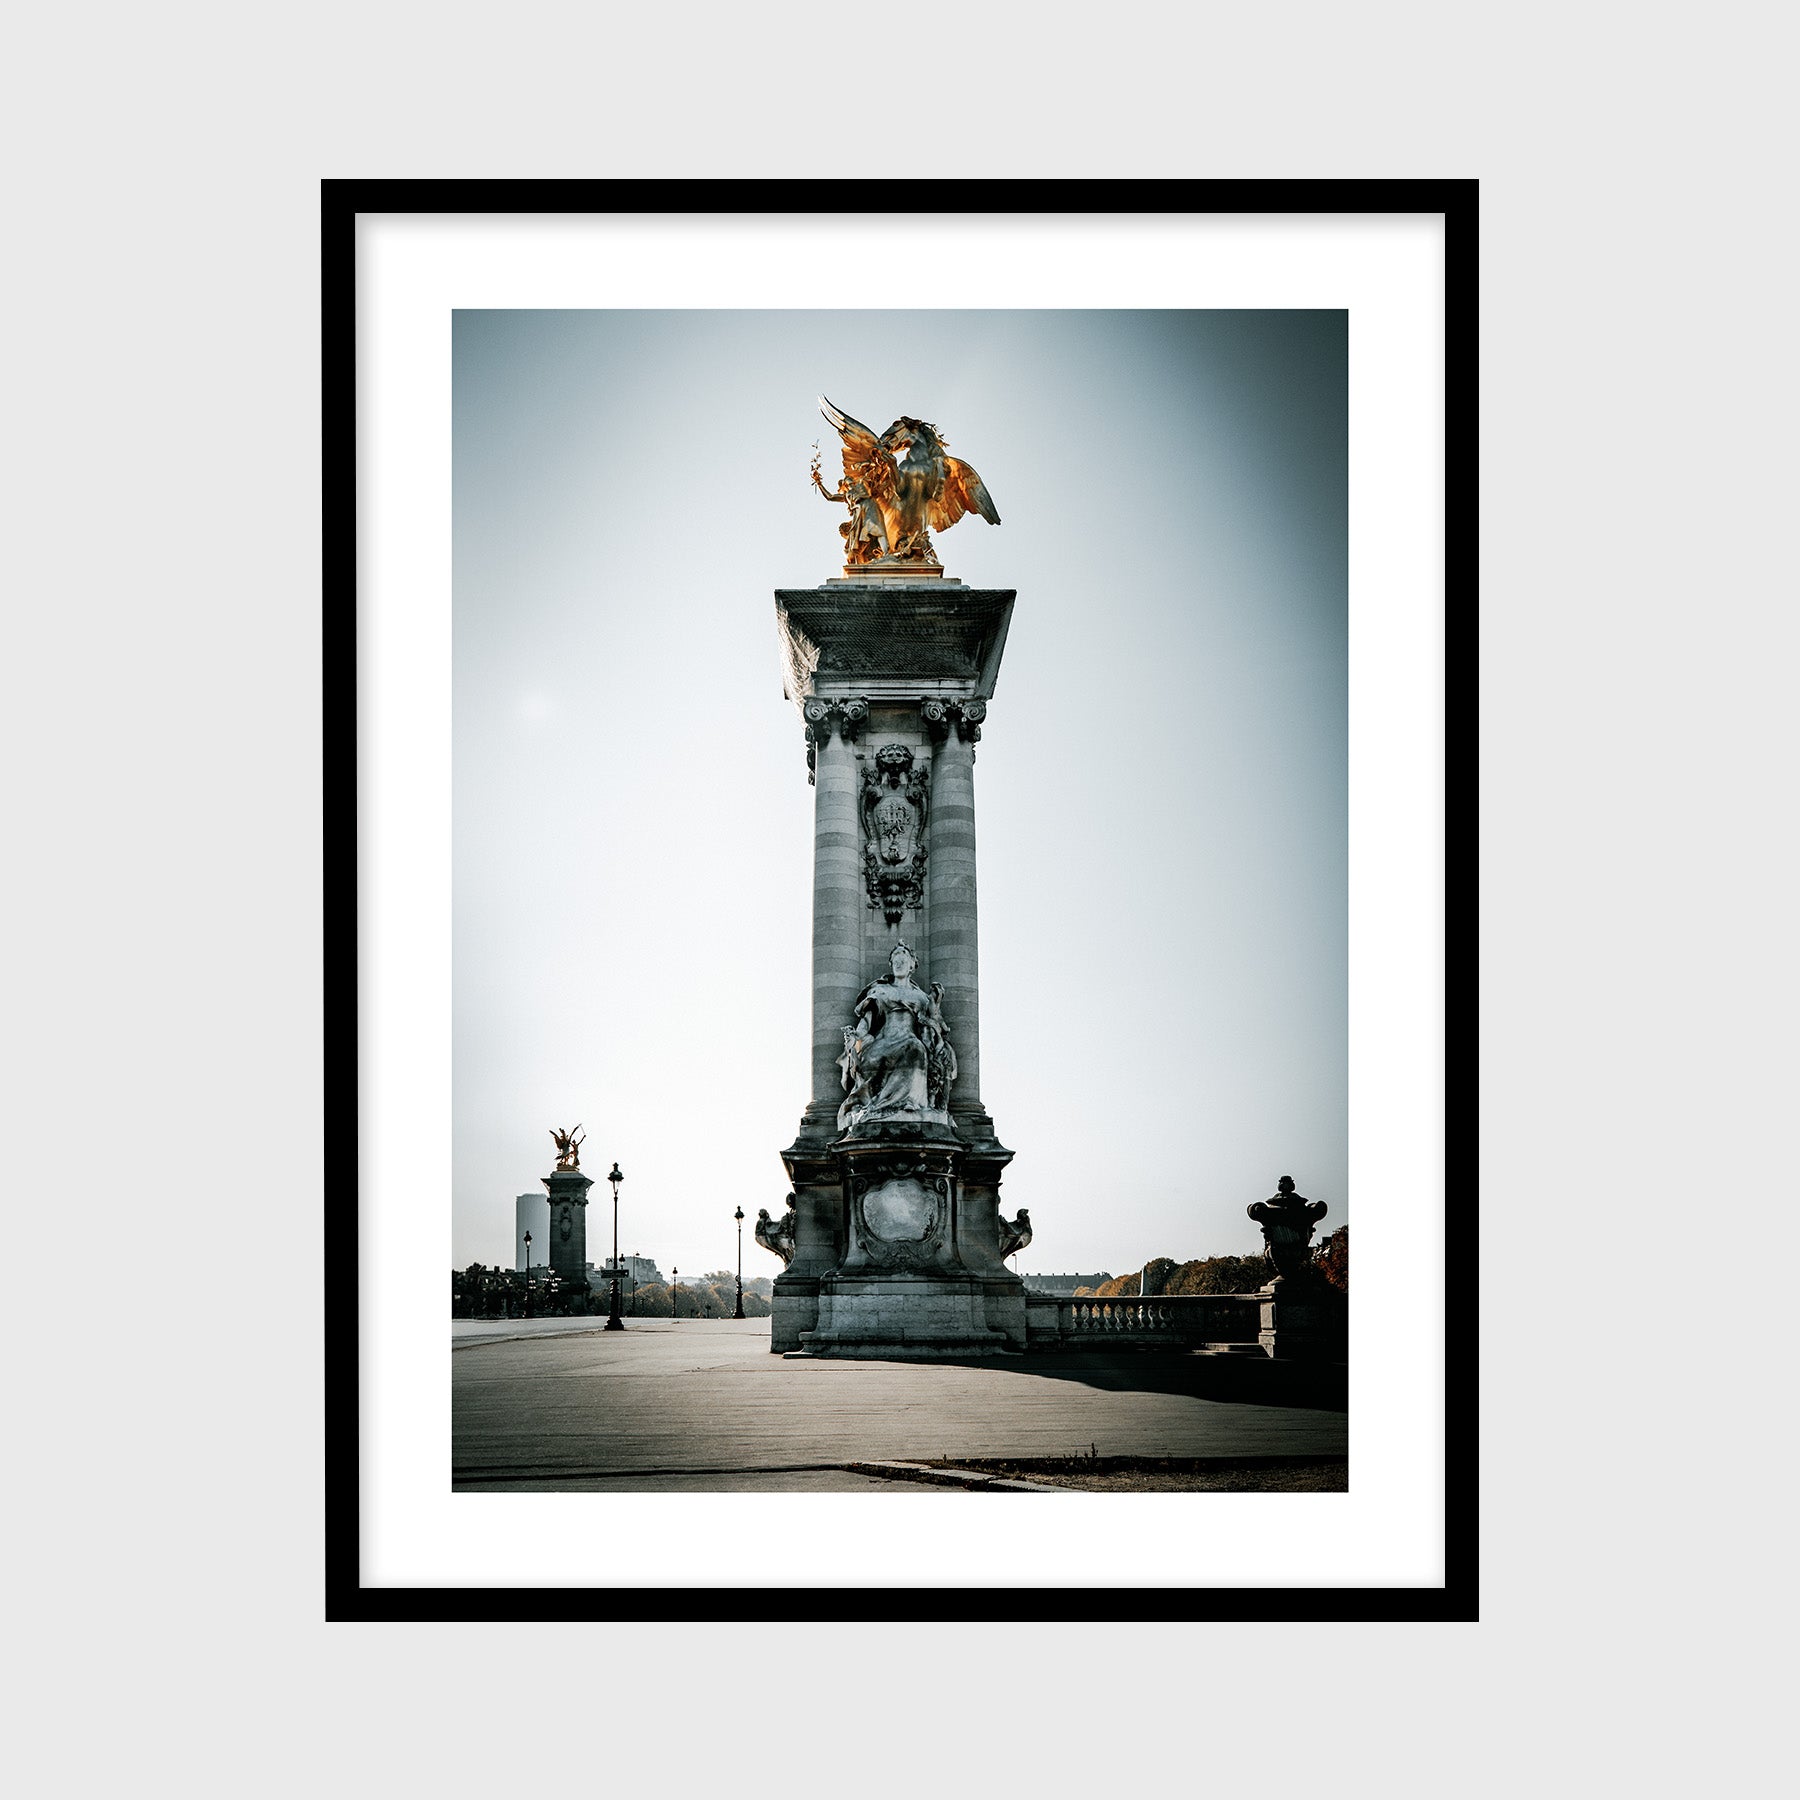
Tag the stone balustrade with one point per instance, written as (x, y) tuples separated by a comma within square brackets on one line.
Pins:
[(1075, 1321)]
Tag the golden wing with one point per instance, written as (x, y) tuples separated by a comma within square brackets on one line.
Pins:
[(864, 458), (963, 492)]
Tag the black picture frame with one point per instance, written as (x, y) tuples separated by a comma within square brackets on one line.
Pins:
[(346, 1597)]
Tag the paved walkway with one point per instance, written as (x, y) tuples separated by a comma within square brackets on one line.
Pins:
[(563, 1404)]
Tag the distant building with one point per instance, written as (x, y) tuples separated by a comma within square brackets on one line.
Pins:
[(640, 1270), (531, 1212), (1064, 1284)]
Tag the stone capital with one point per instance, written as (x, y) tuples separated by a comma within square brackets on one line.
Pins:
[(568, 1184), (964, 716), (849, 716)]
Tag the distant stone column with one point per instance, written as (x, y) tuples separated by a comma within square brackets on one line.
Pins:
[(955, 726), (566, 1252), (837, 978)]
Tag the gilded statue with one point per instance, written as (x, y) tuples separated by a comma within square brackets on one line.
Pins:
[(864, 534), (568, 1148), (899, 487)]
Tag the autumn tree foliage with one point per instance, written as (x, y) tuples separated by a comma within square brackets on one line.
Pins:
[(1333, 1259), (709, 1297), (1206, 1275), (1221, 1274)]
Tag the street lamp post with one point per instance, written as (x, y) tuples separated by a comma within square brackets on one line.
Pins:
[(739, 1215), (528, 1274), (613, 1321)]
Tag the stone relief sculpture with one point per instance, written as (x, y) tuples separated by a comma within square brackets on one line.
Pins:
[(778, 1235), (1015, 1234), (898, 1062), (1287, 1221), (896, 806), (900, 487), (568, 1148)]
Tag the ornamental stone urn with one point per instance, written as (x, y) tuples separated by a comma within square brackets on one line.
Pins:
[(1287, 1221)]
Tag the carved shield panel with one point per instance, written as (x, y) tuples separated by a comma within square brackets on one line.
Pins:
[(900, 1212), (895, 807), (895, 819), (902, 1221)]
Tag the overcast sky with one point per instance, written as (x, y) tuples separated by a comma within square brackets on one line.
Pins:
[(1160, 787)]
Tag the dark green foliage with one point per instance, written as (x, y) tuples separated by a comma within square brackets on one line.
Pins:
[(484, 1293)]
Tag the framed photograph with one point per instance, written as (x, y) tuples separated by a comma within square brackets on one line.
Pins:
[(889, 823)]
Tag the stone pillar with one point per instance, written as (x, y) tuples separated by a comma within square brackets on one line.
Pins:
[(895, 1239), (955, 726), (832, 727), (567, 1253)]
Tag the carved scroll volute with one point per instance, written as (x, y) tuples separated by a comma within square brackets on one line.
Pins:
[(850, 716), (817, 714), (965, 715)]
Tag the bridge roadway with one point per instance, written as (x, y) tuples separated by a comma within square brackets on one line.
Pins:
[(561, 1404)]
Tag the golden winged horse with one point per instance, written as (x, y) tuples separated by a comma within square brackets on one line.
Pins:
[(900, 487)]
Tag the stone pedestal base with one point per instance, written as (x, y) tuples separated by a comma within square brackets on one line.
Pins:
[(1304, 1323), (795, 1310), (891, 572), (903, 1316), (896, 1249)]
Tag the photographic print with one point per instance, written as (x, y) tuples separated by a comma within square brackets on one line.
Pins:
[(900, 886), (865, 964)]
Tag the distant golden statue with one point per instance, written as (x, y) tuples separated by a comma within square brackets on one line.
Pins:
[(568, 1148), (899, 487)]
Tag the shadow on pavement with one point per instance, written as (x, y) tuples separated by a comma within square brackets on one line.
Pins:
[(1238, 1380)]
